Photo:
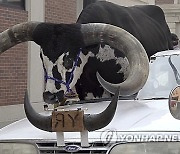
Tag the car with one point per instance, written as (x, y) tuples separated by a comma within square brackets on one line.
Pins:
[(146, 122)]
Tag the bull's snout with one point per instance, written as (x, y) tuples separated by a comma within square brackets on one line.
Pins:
[(50, 98), (53, 98)]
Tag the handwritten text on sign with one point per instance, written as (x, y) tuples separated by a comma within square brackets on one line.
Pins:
[(67, 121)]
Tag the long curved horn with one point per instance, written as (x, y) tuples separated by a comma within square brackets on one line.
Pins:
[(120, 39), (17, 34), (91, 122), (98, 121), (40, 121)]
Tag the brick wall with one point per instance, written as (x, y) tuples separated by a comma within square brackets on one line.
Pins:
[(60, 11), (13, 62)]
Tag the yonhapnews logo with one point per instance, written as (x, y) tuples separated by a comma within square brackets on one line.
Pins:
[(111, 136)]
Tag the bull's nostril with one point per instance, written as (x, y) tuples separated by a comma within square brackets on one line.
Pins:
[(50, 98)]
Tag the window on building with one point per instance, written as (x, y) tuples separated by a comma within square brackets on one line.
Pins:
[(164, 2), (14, 3)]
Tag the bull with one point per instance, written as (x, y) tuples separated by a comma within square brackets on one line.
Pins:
[(107, 48)]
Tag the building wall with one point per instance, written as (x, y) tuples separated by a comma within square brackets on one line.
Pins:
[(13, 63), (60, 11), (172, 15), (164, 2)]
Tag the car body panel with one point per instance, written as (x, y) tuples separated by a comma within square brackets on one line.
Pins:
[(132, 115), (143, 118)]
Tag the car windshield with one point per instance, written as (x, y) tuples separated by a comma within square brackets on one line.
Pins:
[(163, 77)]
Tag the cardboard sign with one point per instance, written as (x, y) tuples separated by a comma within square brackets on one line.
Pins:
[(67, 121)]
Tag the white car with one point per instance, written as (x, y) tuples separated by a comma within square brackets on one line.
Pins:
[(143, 123)]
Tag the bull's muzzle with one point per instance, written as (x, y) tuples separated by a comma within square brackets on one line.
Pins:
[(53, 98)]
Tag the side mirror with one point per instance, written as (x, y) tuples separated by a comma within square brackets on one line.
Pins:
[(174, 102)]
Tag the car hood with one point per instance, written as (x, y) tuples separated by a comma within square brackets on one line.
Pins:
[(131, 116)]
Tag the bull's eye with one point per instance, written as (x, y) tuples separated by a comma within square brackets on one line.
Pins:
[(68, 63)]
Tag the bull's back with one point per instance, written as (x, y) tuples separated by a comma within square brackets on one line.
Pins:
[(147, 23)]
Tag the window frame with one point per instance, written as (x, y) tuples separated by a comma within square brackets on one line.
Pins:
[(6, 3)]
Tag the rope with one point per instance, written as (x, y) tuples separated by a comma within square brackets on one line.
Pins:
[(69, 92)]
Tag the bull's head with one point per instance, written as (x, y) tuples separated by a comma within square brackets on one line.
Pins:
[(60, 45)]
